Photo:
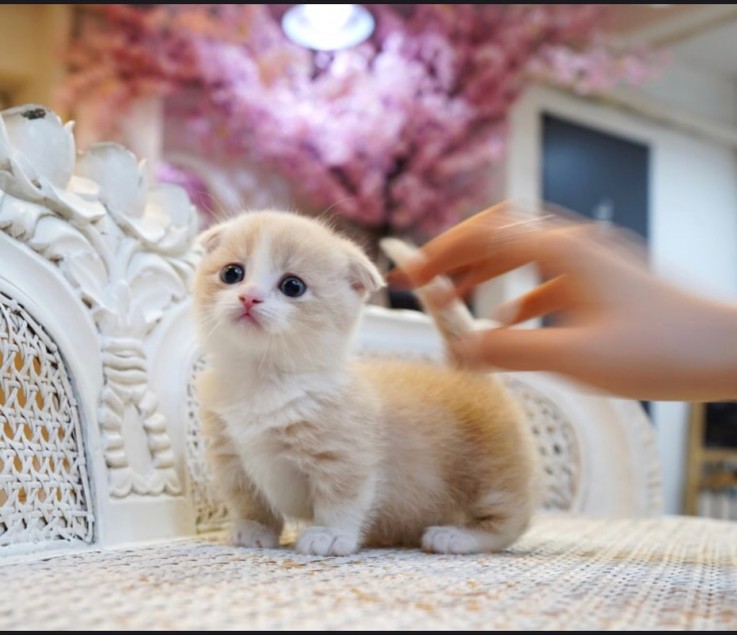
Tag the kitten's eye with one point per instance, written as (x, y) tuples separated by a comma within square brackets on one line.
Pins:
[(232, 274), (292, 286)]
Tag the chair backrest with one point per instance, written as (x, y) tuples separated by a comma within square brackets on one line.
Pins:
[(99, 431), (95, 266)]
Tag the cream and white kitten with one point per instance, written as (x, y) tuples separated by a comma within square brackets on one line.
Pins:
[(370, 452)]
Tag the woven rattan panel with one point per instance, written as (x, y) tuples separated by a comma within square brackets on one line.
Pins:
[(44, 492), (566, 573), (556, 441), (210, 512)]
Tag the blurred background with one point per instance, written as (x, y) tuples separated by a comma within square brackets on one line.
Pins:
[(404, 119)]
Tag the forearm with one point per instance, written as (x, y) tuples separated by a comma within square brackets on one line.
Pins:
[(687, 352), (713, 347)]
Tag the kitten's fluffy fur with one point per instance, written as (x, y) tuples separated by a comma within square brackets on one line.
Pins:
[(371, 453)]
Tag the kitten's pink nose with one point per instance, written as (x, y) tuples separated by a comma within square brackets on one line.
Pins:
[(249, 299)]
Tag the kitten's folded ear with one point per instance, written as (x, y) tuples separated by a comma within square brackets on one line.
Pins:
[(210, 238), (363, 274)]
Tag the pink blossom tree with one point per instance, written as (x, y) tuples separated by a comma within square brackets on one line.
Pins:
[(396, 134)]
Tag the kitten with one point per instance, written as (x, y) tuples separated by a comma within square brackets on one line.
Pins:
[(370, 452)]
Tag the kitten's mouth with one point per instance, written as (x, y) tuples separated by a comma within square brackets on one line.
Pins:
[(248, 318)]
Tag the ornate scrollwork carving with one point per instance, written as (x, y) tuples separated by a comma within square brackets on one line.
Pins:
[(125, 247)]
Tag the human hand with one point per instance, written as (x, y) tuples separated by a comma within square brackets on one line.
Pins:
[(617, 326)]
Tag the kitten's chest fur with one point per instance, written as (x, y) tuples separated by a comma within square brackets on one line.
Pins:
[(288, 435), (277, 465), (255, 407)]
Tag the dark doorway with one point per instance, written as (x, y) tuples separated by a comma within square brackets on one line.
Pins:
[(595, 174)]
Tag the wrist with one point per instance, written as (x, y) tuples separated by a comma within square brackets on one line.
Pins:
[(710, 348)]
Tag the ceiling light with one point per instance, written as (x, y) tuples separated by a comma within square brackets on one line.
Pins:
[(328, 27)]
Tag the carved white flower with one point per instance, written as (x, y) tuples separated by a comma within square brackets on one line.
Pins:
[(37, 139), (37, 155), (162, 216)]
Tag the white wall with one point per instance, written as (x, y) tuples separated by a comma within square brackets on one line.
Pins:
[(706, 94), (693, 221)]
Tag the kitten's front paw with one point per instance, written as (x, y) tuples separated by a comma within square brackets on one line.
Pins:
[(449, 539), (324, 541), (249, 533)]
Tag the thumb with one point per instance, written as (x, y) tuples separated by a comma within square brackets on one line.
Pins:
[(513, 349)]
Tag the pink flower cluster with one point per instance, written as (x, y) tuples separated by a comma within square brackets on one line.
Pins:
[(398, 133)]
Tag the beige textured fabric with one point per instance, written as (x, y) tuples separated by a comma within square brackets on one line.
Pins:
[(567, 573)]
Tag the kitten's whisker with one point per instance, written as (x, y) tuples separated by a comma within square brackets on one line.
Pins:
[(218, 322), (335, 204)]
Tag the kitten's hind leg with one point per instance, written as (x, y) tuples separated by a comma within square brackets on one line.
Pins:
[(496, 522), (251, 533)]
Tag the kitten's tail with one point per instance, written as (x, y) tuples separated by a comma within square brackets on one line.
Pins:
[(452, 319)]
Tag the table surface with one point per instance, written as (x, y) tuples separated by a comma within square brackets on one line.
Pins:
[(565, 573)]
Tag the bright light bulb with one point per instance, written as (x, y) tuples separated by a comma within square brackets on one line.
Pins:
[(328, 27), (329, 18)]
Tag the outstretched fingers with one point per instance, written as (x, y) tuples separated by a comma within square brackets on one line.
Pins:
[(546, 349), (467, 245), (549, 297)]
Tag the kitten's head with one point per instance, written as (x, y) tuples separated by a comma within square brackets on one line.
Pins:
[(279, 282)]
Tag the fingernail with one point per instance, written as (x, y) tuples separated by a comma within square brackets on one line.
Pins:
[(397, 279)]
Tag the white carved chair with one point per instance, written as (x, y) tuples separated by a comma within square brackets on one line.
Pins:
[(99, 442)]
